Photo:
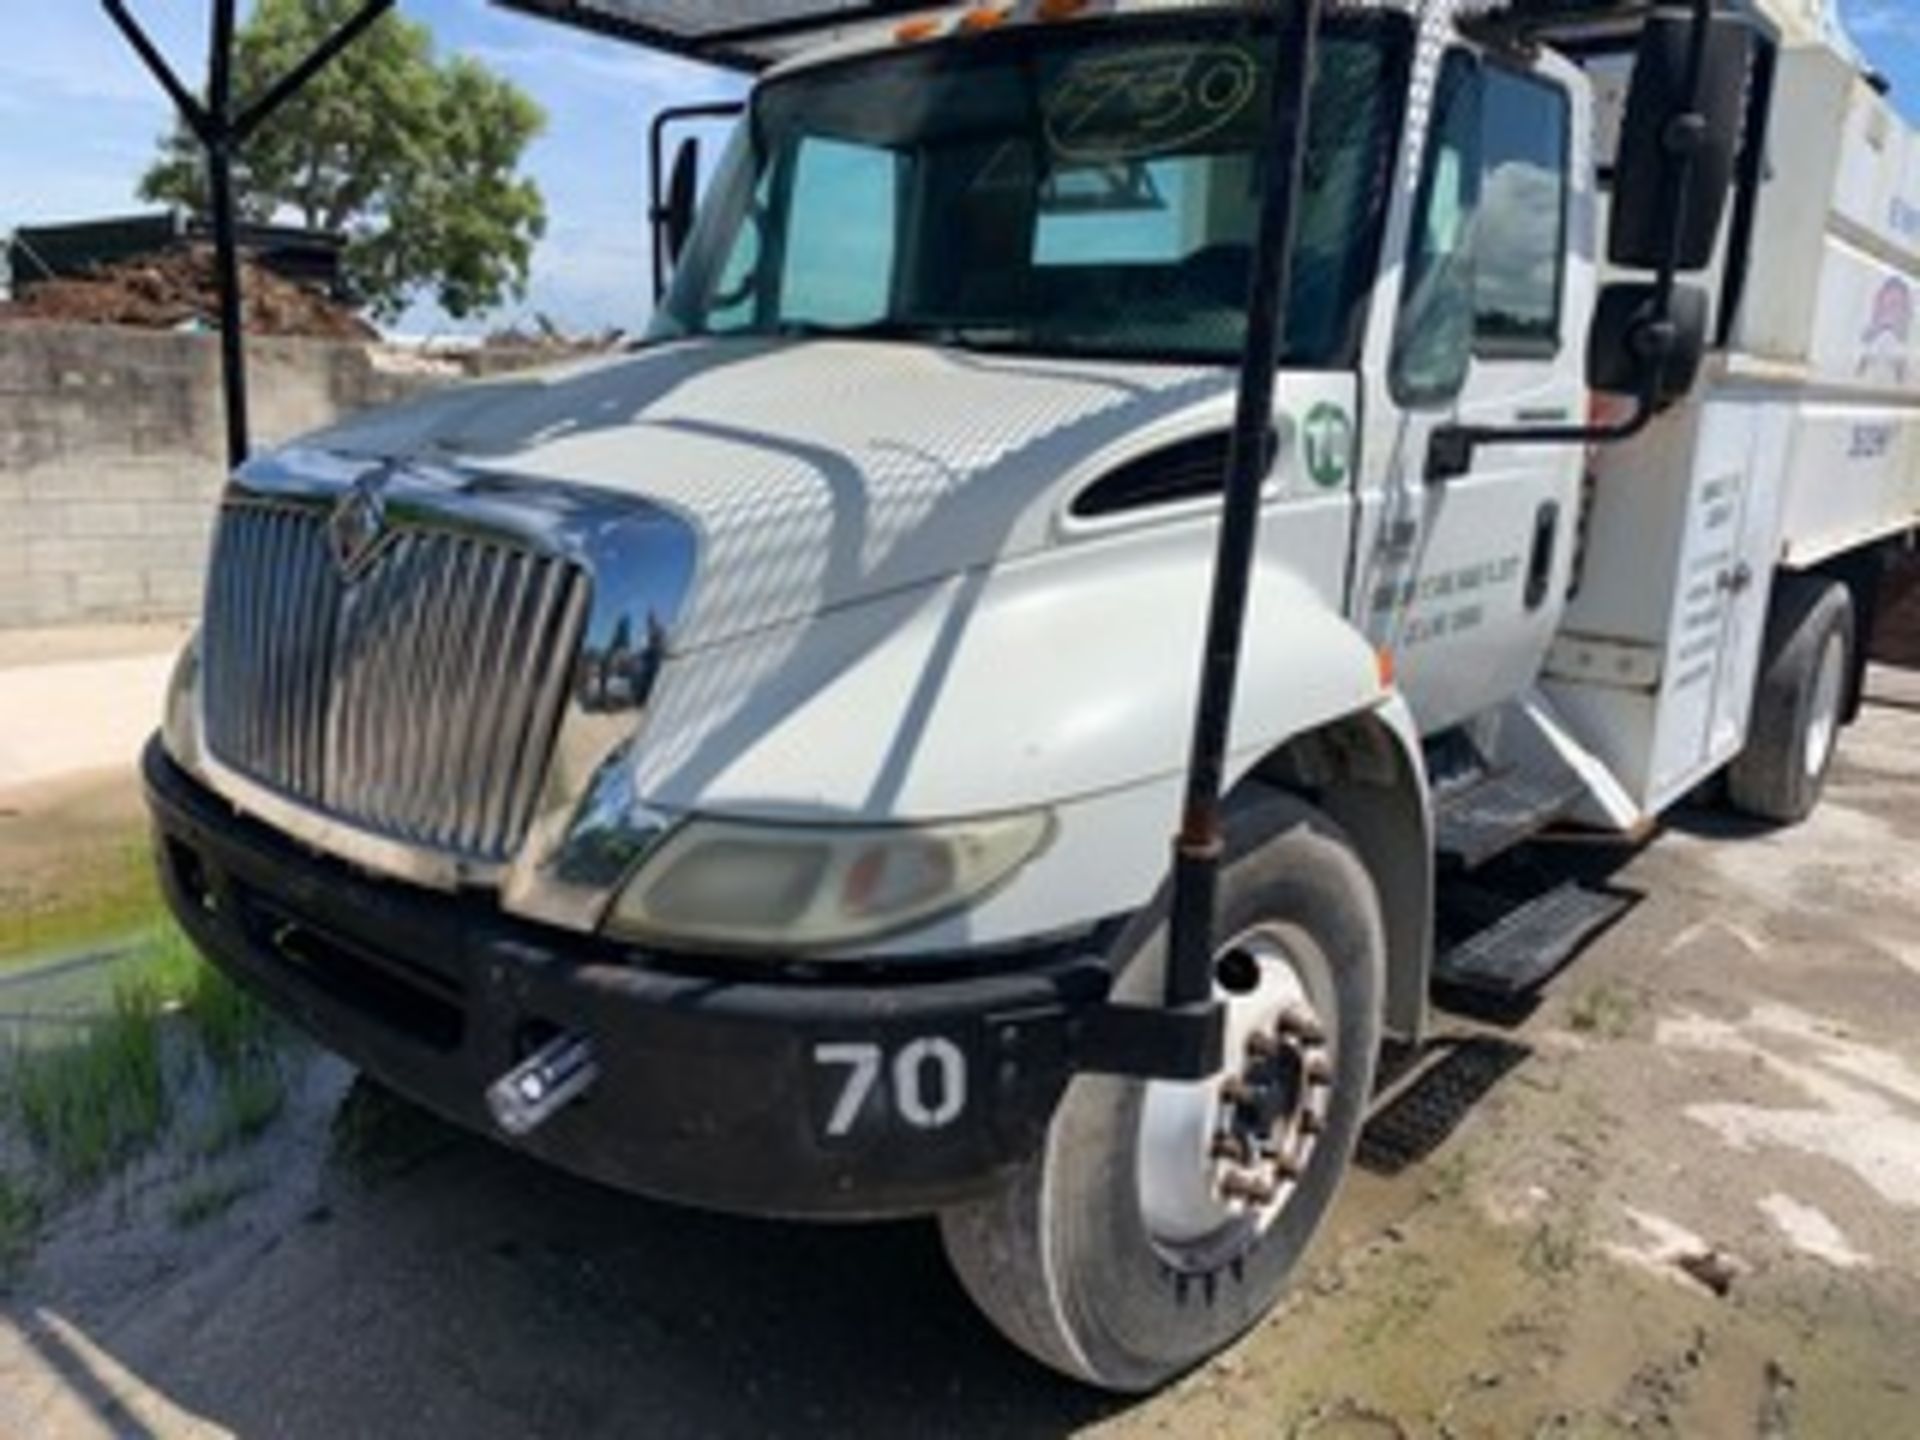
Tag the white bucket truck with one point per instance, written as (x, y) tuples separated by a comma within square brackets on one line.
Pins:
[(741, 769)]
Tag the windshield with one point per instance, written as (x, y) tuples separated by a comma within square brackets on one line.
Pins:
[(1073, 190)]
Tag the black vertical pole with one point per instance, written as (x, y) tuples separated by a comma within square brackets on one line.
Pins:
[(1200, 846), (226, 246), (221, 132)]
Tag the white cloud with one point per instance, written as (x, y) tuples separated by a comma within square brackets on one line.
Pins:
[(1517, 242)]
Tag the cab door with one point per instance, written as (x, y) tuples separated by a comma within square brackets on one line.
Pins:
[(1464, 580)]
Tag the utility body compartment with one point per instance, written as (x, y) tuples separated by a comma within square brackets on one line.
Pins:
[(1801, 444)]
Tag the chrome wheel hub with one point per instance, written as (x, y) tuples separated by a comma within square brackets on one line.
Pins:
[(1219, 1159)]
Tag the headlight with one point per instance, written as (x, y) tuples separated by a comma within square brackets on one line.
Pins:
[(180, 724), (804, 887)]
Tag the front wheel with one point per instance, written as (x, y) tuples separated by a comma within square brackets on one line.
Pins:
[(1162, 1219)]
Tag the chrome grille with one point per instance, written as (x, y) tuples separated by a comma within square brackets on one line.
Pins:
[(418, 699)]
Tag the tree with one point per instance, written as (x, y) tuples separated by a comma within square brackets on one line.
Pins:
[(415, 161)]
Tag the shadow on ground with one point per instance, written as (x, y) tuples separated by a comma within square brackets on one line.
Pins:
[(437, 1284)]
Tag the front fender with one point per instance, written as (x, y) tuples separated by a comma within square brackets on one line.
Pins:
[(1040, 681), (1066, 681)]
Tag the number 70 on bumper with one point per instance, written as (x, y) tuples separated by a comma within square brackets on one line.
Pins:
[(926, 1083)]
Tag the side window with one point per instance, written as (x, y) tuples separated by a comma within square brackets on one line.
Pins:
[(1521, 237), (1433, 346), (840, 246), (734, 290)]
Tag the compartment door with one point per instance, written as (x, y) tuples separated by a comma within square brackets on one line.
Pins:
[(1749, 586), (1719, 606)]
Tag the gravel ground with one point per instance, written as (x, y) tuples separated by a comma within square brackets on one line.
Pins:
[(1687, 1203)]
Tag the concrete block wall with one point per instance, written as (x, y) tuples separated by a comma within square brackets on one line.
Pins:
[(111, 446)]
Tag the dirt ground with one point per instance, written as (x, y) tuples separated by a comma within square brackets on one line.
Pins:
[(1681, 1197)]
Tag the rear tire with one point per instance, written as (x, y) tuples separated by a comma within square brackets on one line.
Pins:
[(1075, 1259), (1800, 701)]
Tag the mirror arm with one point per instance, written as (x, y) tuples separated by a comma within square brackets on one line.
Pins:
[(1452, 450)]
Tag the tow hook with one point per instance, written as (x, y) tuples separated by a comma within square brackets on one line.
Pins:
[(543, 1084)]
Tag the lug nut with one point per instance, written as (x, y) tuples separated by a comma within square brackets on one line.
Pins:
[(1254, 1192), (1262, 1046), (1318, 1070), (1233, 1148), (1236, 1091), (1287, 1165), (1312, 1122), (1301, 1025)]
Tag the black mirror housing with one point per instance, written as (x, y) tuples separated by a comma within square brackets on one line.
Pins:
[(683, 198), (1631, 340), (1662, 124)]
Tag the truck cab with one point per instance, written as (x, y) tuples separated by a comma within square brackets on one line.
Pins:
[(741, 769)]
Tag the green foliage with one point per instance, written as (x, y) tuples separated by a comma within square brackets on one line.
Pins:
[(87, 1106), (110, 895), (247, 1099), (208, 1198), (19, 1219), (416, 160)]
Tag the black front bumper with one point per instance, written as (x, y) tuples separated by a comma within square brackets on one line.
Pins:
[(771, 1097)]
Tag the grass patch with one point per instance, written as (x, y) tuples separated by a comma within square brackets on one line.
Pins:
[(87, 1106), (234, 1029), (113, 892), (207, 1199), (19, 1219), (247, 1099)]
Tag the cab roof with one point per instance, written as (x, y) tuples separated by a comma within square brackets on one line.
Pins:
[(759, 34), (755, 35)]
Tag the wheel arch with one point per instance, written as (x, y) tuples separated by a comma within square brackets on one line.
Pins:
[(1367, 771)]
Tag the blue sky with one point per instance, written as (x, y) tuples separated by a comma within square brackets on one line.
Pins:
[(78, 118)]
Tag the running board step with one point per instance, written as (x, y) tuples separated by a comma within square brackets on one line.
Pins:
[(1528, 946), (1487, 819)]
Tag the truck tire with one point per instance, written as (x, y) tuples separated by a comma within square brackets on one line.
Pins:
[(1799, 702), (1135, 1244)]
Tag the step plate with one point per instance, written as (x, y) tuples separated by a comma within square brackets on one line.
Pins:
[(1526, 948), (1490, 818)]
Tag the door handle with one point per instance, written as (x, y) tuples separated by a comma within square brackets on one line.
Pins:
[(1546, 536)]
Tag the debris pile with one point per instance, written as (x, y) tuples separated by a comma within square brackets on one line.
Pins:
[(176, 290), (541, 335)]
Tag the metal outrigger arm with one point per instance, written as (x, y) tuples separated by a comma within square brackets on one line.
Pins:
[(222, 129)]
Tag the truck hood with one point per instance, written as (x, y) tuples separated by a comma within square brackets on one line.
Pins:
[(815, 474)]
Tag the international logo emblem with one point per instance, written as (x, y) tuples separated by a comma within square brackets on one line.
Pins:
[(1327, 446), (358, 527)]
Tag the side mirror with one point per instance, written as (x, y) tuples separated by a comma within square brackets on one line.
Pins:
[(1664, 123), (1631, 339), (683, 198)]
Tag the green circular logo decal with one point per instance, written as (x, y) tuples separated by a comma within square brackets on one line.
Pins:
[(1327, 441)]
